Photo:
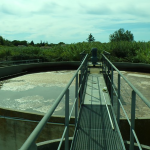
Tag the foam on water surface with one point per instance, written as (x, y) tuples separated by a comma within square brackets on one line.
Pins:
[(36, 92)]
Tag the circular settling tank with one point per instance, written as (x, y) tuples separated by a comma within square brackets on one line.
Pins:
[(37, 92)]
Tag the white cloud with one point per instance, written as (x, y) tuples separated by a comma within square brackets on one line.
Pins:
[(65, 20)]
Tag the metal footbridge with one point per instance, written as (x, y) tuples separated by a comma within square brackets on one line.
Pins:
[(96, 121), (97, 127)]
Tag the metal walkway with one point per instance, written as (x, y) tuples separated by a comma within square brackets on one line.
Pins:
[(97, 128), (96, 125)]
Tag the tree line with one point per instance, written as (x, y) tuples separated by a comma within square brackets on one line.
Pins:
[(119, 35), (6, 42)]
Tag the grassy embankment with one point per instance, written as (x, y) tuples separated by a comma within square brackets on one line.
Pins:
[(137, 52)]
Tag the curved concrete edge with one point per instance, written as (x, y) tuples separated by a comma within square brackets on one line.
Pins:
[(53, 144), (10, 71), (37, 67), (6, 112), (136, 67)]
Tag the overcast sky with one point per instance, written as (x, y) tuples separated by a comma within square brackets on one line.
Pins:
[(71, 21)]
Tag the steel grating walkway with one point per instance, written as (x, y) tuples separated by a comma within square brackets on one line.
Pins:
[(94, 130)]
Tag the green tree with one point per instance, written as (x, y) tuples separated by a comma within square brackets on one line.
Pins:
[(1, 40), (121, 35), (61, 43), (41, 44), (90, 38), (8, 43), (23, 43), (46, 44), (15, 42), (32, 43)]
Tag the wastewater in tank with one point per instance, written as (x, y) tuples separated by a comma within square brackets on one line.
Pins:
[(37, 92)]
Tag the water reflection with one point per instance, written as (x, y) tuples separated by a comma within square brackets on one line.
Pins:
[(36, 92)]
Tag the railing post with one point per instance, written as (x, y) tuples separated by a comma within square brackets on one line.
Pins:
[(111, 85), (76, 97), (84, 75), (132, 120), (81, 85), (106, 81), (67, 120), (105, 69), (118, 104), (102, 64), (84, 69), (107, 74), (108, 69)]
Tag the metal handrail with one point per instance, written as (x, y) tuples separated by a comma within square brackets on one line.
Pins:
[(30, 142), (130, 84), (105, 52), (134, 92)]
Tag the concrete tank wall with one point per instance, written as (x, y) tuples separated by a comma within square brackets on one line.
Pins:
[(37, 67), (48, 66), (137, 67), (16, 126), (142, 130)]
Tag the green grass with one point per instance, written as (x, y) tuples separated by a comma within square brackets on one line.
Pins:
[(137, 52)]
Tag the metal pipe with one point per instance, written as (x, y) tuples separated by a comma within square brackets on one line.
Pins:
[(72, 108), (108, 113), (60, 143), (106, 52), (137, 139), (124, 112)]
